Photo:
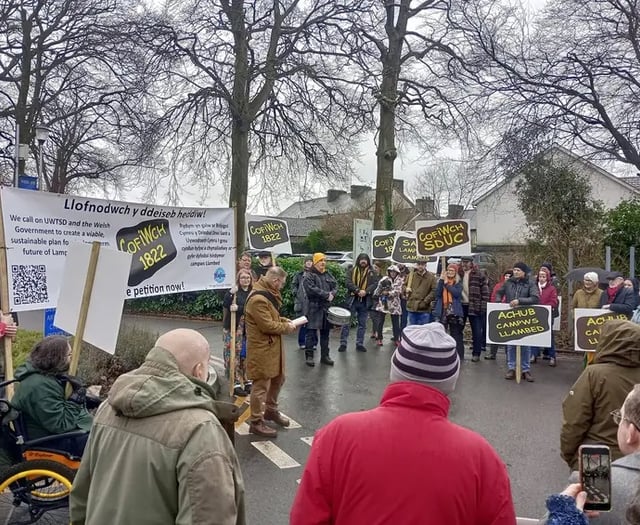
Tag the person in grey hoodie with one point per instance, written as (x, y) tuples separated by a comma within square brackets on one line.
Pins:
[(158, 453)]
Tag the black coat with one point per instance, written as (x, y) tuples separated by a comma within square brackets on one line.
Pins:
[(623, 303), (318, 286), (241, 298)]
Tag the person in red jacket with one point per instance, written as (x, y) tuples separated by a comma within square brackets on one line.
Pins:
[(548, 297), (370, 467)]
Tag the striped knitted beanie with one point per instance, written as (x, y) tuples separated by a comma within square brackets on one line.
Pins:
[(427, 354)]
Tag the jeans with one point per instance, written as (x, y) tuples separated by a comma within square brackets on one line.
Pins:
[(455, 330), (477, 331), (551, 351), (396, 321), (302, 336), (358, 309), (419, 317), (525, 354)]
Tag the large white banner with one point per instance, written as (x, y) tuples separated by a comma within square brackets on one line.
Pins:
[(172, 249)]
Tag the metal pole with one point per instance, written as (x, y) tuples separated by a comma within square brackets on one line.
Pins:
[(607, 258), (40, 165), (569, 298), (632, 262)]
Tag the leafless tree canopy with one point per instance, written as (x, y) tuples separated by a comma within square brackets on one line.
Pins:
[(571, 76), (68, 65)]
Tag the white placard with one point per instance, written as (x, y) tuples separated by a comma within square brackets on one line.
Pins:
[(557, 320), (443, 237), (173, 249), (362, 236), (522, 325), (587, 323), (268, 233), (107, 296)]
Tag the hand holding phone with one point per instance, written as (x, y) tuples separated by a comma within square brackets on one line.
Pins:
[(595, 476)]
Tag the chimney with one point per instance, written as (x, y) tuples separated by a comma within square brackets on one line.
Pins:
[(426, 206), (333, 195), (358, 191), (398, 185), (455, 211)]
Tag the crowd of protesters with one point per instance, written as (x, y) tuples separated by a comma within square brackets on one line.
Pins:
[(165, 414)]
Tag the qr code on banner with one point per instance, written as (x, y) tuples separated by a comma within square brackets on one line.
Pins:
[(29, 284)]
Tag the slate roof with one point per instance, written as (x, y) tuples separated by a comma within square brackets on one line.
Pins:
[(632, 181)]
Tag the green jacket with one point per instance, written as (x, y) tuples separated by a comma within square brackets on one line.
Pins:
[(158, 454), (601, 388), (43, 404), (423, 292)]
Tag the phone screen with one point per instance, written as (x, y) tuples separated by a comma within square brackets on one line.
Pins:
[(595, 476)]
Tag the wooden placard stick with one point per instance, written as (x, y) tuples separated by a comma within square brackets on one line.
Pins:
[(273, 259), (443, 265), (84, 310), (4, 305), (232, 348), (518, 364)]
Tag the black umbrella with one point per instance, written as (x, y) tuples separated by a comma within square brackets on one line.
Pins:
[(577, 274)]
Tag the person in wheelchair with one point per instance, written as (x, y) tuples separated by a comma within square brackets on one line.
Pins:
[(40, 396)]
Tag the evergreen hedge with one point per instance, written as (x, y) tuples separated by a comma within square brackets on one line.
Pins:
[(208, 303)]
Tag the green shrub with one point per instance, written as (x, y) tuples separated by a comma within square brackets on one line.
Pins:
[(21, 347), (97, 367), (208, 303), (292, 266)]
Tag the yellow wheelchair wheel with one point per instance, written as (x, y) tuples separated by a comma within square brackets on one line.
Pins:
[(35, 492)]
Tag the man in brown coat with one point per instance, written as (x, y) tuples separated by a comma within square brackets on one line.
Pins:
[(265, 351), (600, 389)]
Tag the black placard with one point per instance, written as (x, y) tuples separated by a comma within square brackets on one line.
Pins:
[(383, 245), (510, 326), (267, 233), (437, 239), (150, 245), (404, 250)]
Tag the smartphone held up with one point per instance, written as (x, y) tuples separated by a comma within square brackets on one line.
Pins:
[(595, 476)]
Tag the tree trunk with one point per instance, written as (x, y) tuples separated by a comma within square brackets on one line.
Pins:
[(388, 101), (22, 114), (241, 123), (239, 179)]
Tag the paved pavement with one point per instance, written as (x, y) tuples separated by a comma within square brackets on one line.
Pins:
[(521, 421)]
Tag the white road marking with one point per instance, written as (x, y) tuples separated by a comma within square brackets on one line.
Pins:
[(308, 440), (217, 361), (292, 423), (243, 428), (278, 456)]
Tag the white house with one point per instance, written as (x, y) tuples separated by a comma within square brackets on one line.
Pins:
[(500, 222)]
